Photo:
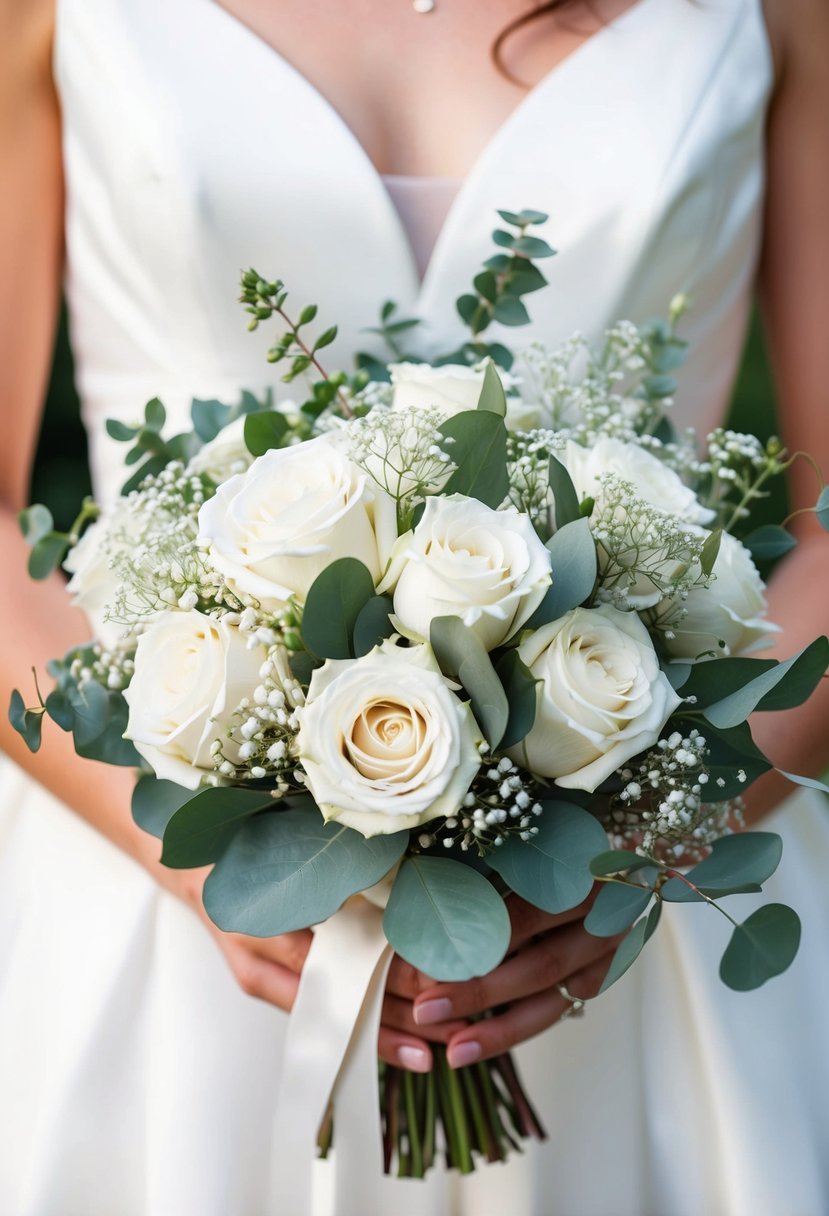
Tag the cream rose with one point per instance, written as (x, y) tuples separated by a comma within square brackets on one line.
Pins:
[(463, 559), (384, 742), (454, 387), (191, 672), (601, 698), (227, 453), (273, 529), (727, 618), (94, 583), (651, 478)]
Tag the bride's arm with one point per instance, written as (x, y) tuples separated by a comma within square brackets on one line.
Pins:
[(36, 620), (794, 284)]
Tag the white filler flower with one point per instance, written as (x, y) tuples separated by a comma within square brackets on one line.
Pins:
[(273, 529), (728, 617), (463, 559), (191, 672), (384, 742), (601, 699)]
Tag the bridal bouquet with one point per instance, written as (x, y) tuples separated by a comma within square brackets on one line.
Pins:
[(442, 631)]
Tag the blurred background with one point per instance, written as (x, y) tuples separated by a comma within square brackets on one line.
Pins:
[(61, 479)]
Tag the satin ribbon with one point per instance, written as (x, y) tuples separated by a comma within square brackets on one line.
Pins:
[(331, 1056)]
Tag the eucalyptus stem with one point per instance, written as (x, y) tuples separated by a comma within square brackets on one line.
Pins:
[(429, 1119), (465, 1162), (413, 1131), (531, 1124), (713, 903), (483, 1132), (487, 1091), (313, 360)]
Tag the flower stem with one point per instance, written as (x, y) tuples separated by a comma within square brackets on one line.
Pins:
[(412, 1129)]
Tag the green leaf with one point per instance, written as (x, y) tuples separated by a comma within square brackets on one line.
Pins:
[(809, 783), (519, 686), (524, 278), (303, 665), (325, 338), (200, 830), (710, 551), (707, 682), (769, 541), (614, 861), (120, 431), (822, 508), (532, 247), (631, 947), (574, 566), (552, 868), (784, 685), (307, 315), (528, 216), (373, 625), (59, 708), (264, 430), (729, 753), (505, 239), (564, 494), (110, 746), (335, 600), (479, 449), (154, 803), (677, 674), (47, 555), (155, 415), (510, 311), (746, 858), (209, 417), (761, 947), (486, 285), (288, 869), (492, 398), (27, 722), (446, 919), (616, 906), (36, 522), (467, 307), (90, 705), (462, 656)]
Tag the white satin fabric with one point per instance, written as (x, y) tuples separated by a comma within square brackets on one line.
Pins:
[(135, 1078)]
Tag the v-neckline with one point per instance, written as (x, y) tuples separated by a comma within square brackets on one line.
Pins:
[(481, 162)]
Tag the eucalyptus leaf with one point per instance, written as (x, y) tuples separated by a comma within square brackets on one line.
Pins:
[(120, 431), (769, 541), (155, 415), (631, 946), (734, 862), (730, 753), (564, 494), (91, 707), (209, 418), (616, 906), (780, 687), (677, 674), (509, 310), (446, 919), (822, 508), (707, 682), (59, 708), (154, 802), (200, 830), (710, 551), (47, 555), (264, 429), (552, 868), (574, 567), (334, 602), (27, 722), (373, 624), (35, 522), (532, 247), (614, 861), (761, 947), (479, 450), (809, 783), (520, 688), (287, 870), (110, 746), (492, 396), (461, 655)]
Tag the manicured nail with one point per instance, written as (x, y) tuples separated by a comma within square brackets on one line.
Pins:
[(415, 1059), (439, 1009), (464, 1053)]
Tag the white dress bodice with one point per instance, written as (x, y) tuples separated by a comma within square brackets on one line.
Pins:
[(193, 150)]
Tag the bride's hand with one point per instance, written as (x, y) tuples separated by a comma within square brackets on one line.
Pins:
[(545, 951), (269, 968)]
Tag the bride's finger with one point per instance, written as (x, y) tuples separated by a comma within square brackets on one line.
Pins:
[(528, 921), (262, 977), (539, 966), (403, 1050), (397, 1014), (288, 949)]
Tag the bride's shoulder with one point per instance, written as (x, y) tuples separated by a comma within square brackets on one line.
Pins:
[(798, 33)]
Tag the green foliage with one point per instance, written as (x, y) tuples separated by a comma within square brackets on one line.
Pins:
[(730, 752), (617, 861), (264, 430), (35, 523), (631, 946), (822, 508), (564, 494), (209, 418), (287, 870), (446, 919), (27, 722), (552, 868), (574, 567), (710, 551), (373, 624), (333, 605), (478, 448), (203, 826), (492, 396), (463, 657), (762, 947), (154, 802), (769, 542), (390, 329), (520, 689), (616, 906), (780, 687), (736, 864)]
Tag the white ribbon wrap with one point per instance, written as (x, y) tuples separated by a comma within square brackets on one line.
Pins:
[(331, 1056)]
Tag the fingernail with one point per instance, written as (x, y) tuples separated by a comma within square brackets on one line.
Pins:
[(439, 1009), (464, 1053), (415, 1059)]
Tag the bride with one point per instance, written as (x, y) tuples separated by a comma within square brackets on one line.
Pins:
[(350, 149)]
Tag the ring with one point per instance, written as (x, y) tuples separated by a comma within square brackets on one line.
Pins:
[(575, 1005)]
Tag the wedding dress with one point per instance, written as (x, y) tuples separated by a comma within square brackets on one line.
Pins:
[(135, 1078)]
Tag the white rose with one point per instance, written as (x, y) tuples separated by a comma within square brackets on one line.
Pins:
[(384, 742), (653, 481), (273, 529), (727, 618), (227, 452), (601, 699), (191, 672), (452, 388), (94, 584), (463, 559)]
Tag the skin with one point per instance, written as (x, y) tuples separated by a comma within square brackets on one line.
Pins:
[(400, 124)]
